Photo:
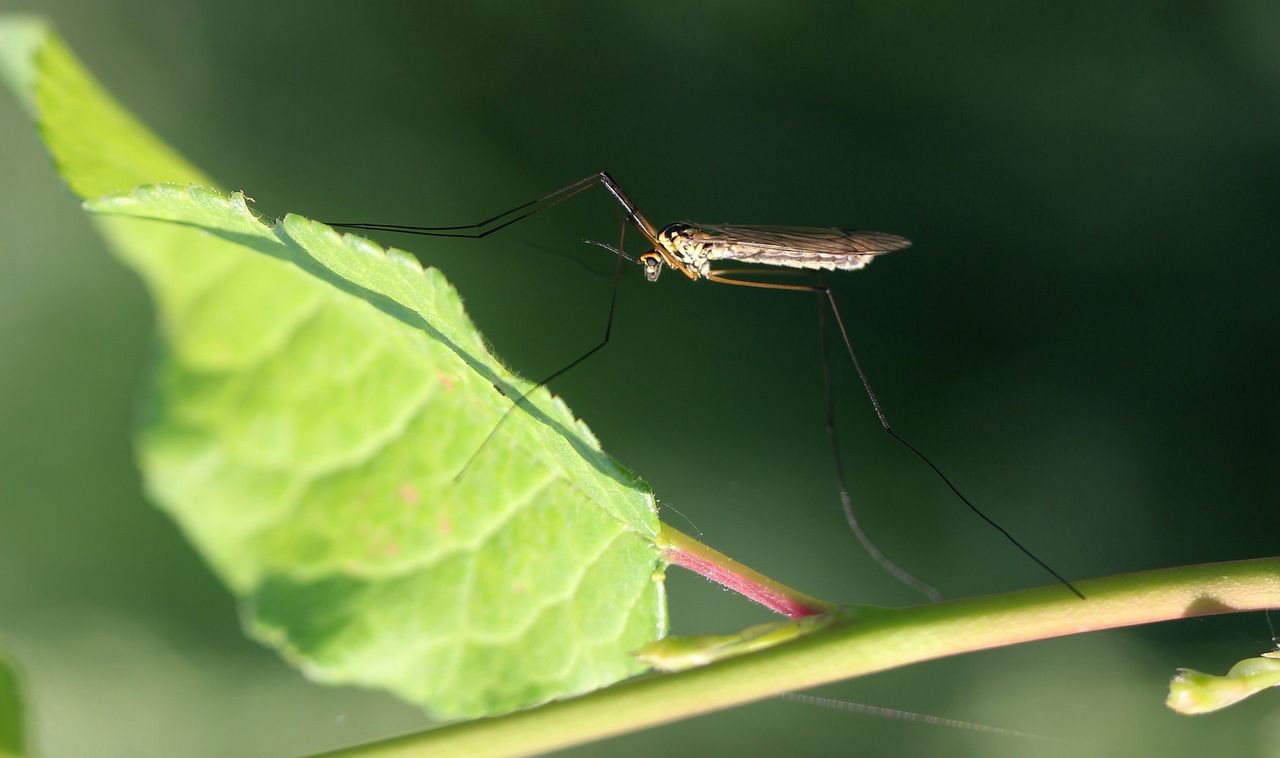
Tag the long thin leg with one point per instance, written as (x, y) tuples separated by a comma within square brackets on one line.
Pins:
[(846, 502), (604, 340), (511, 216), (884, 422), (519, 213)]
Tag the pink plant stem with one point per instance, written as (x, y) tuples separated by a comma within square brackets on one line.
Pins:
[(682, 550)]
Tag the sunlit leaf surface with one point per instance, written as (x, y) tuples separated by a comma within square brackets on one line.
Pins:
[(313, 401)]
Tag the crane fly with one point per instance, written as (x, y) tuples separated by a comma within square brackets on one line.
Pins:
[(692, 248), (695, 250)]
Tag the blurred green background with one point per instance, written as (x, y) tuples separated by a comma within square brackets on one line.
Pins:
[(1084, 335)]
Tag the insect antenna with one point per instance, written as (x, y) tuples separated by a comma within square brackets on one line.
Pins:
[(577, 262)]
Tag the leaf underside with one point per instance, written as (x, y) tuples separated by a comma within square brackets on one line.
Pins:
[(313, 399)]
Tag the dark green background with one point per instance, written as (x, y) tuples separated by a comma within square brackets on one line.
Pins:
[(1084, 335)]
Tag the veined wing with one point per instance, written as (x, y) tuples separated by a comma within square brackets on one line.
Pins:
[(808, 247)]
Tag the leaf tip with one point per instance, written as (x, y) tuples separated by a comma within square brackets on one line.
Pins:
[(21, 38)]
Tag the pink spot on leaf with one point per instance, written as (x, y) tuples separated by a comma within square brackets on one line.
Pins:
[(409, 494)]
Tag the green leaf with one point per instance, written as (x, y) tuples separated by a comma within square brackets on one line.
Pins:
[(12, 730), (20, 38), (97, 145), (1192, 693), (314, 398)]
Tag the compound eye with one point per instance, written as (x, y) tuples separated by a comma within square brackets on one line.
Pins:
[(652, 263)]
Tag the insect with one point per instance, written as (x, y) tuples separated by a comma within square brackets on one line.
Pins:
[(696, 250)]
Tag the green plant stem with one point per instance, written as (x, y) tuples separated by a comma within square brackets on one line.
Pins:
[(877, 640)]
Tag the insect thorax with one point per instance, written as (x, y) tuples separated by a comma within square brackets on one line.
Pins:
[(689, 245)]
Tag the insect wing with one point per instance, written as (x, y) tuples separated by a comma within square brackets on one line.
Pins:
[(808, 247)]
